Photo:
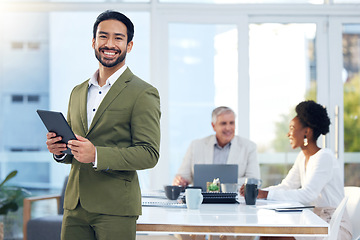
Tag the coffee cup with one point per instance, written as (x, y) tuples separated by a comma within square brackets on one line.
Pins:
[(251, 190), (172, 192), (193, 198), (229, 187)]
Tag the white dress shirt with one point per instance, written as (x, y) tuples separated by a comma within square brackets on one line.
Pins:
[(320, 184), (96, 94)]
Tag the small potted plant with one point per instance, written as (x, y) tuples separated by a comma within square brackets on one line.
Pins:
[(213, 186), (10, 199)]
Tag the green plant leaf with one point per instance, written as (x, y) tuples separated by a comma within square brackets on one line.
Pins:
[(213, 187), (8, 177), (11, 206), (11, 197)]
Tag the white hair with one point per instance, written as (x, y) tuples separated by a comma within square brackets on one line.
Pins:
[(218, 111)]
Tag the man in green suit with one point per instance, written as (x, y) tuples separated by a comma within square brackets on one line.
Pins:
[(116, 118)]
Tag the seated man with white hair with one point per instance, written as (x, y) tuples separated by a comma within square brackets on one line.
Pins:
[(222, 148)]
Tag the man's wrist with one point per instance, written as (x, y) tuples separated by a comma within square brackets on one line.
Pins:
[(59, 158)]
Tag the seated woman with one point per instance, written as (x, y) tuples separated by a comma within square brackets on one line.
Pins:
[(316, 176)]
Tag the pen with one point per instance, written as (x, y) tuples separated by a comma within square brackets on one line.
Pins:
[(288, 210), (301, 207)]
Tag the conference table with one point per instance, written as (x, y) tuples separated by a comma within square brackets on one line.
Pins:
[(172, 217)]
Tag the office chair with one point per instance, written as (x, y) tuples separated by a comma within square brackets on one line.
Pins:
[(336, 220), (353, 209)]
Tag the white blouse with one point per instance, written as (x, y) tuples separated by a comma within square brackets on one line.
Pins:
[(321, 184)]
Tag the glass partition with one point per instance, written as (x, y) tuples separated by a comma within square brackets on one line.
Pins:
[(282, 74), (351, 81), (202, 75)]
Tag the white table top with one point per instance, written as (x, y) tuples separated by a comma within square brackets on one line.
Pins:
[(232, 219)]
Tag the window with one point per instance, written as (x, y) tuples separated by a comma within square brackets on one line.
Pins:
[(282, 74), (33, 45), (17, 45), (33, 98), (351, 82), (202, 75), (17, 98)]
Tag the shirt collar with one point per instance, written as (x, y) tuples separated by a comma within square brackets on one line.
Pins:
[(226, 146), (111, 80)]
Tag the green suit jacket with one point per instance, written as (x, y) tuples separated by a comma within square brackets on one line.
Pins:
[(126, 133)]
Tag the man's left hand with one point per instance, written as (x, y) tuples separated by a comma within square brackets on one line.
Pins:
[(82, 149)]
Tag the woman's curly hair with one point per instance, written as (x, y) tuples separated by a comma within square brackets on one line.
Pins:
[(313, 115)]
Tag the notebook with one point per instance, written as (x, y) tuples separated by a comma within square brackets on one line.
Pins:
[(170, 204), (227, 173)]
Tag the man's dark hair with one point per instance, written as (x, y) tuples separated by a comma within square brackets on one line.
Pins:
[(110, 14), (313, 115)]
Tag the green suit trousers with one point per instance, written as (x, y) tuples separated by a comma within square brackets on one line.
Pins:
[(81, 224)]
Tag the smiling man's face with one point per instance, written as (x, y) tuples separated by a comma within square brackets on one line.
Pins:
[(110, 44), (224, 128)]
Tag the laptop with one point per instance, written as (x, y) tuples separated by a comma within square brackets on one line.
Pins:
[(227, 173)]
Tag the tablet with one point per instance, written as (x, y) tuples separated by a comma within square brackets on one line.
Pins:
[(56, 122)]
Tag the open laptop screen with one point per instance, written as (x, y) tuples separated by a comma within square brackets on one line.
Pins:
[(227, 173)]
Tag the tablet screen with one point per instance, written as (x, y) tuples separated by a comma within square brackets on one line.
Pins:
[(56, 122)]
